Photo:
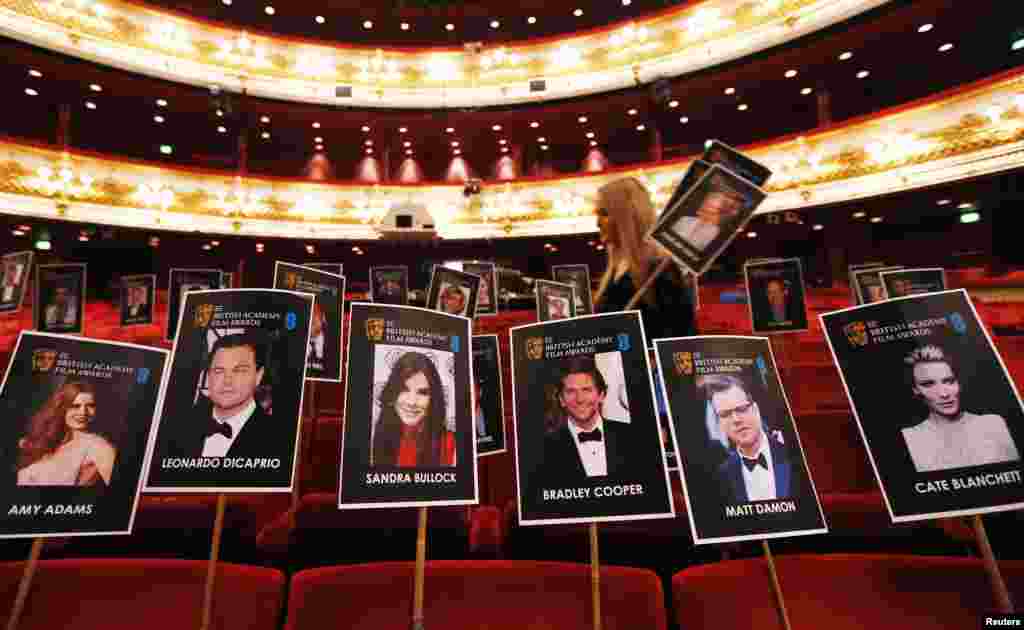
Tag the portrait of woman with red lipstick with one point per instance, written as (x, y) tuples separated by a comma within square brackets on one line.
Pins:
[(412, 431)]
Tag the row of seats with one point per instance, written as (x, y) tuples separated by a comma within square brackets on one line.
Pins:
[(844, 592)]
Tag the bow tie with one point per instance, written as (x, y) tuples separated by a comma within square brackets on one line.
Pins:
[(587, 436), (222, 428), (752, 463)]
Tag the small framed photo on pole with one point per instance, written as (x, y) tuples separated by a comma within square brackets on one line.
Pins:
[(940, 416), (453, 292), (487, 302), (410, 437), (138, 297), (776, 296), (323, 355), (389, 285), (78, 414), (555, 300), (741, 462), (906, 282), (579, 277), (60, 298), (13, 284), (180, 282), (489, 407)]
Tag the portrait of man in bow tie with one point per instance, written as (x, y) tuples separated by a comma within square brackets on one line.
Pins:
[(758, 467), (584, 443), (229, 421)]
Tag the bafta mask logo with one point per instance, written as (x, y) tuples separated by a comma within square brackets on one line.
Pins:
[(535, 348), (957, 321), (856, 334), (684, 363), (375, 329), (43, 360), (204, 313), (291, 280)]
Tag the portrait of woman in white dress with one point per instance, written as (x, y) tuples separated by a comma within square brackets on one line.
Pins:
[(59, 449), (950, 436)]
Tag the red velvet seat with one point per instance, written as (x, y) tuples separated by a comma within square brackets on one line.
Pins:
[(841, 592), (478, 595), (153, 594), (835, 452)]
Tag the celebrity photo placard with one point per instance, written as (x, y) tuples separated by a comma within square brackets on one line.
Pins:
[(913, 281), (16, 268), (180, 282), (453, 292), (138, 297), (389, 285), (702, 224), (555, 300), (579, 277), (489, 410), (717, 152), (487, 303), (868, 284), (323, 355), (78, 414), (588, 441), (409, 437), (776, 296), (941, 419), (60, 298), (230, 415), (741, 463), (851, 269)]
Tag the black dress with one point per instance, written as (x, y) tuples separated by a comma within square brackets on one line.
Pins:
[(671, 314)]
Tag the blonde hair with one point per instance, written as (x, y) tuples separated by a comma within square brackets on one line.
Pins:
[(632, 215), (926, 354)]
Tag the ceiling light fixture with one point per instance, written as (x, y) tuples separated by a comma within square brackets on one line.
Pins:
[(318, 140), (531, 20), (319, 147), (496, 127), (316, 125), (966, 206), (534, 124), (673, 104), (970, 217), (924, 28), (269, 10), (582, 120), (265, 135), (818, 227), (876, 219), (751, 234), (95, 87), (457, 151), (222, 129), (590, 134), (407, 144), (943, 202), (158, 118), (542, 139), (593, 143), (578, 12), (220, 113), (495, 23), (626, 3), (166, 149), (806, 91), (320, 19), (35, 73), (264, 119), (543, 147), (368, 24), (730, 91), (503, 142), (403, 129), (860, 214), (632, 112), (449, 130), (946, 47), (863, 74), (1018, 44), (404, 26), (366, 129), (449, 27), (90, 105), (790, 74), (742, 107), (161, 102), (641, 127), (846, 56), (369, 143)]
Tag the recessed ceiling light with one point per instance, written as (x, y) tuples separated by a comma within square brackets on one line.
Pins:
[(970, 217), (531, 20), (543, 147), (403, 129), (626, 3), (730, 90), (742, 107), (590, 134), (320, 19), (641, 127), (207, 246), (316, 125), (495, 23), (368, 24), (161, 102), (455, 143), (632, 111), (369, 143), (449, 130), (457, 151), (222, 129), (1017, 44), (407, 144), (965, 206), (95, 87), (684, 119), (673, 103), (318, 140), (542, 139), (408, 152), (806, 91), (534, 124), (166, 149), (366, 129), (578, 12), (924, 28), (269, 10), (818, 227), (751, 234), (943, 202), (227, 3), (265, 135), (35, 73), (369, 152), (404, 26), (158, 118), (90, 105), (790, 74), (846, 56), (876, 219), (449, 27), (863, 74), (220, 113), (593, 143), (946, 47), (310, 249), (582, 119), (264, 119), (860, 214), (504, 149), (503, 142), (496, 127)]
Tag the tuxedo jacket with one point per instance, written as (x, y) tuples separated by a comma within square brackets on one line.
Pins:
[(262, 436), (562, 464), (788, 474)]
